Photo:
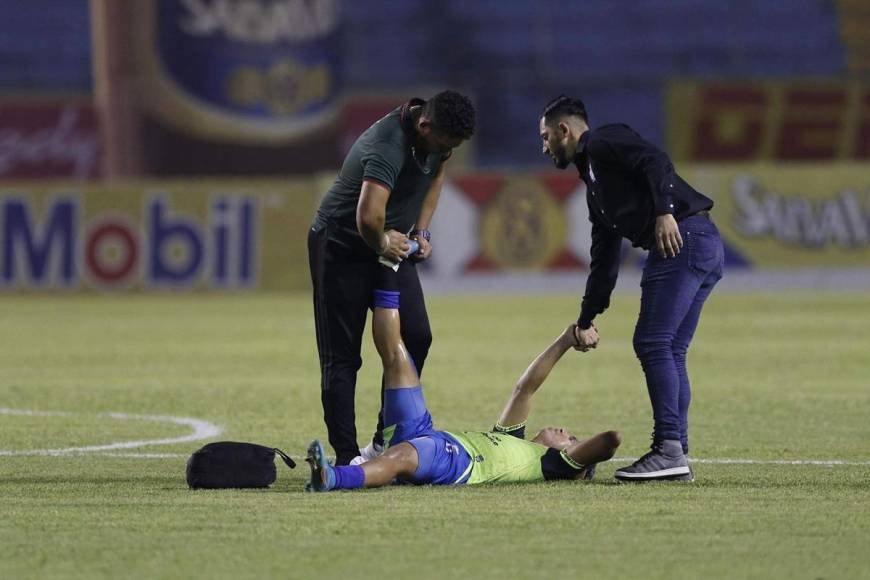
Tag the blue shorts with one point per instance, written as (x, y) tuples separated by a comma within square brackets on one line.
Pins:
[(442, 460)]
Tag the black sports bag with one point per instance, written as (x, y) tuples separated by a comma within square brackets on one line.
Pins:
[(228, 464)]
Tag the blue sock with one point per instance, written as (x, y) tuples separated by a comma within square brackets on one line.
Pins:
[(348, 477)]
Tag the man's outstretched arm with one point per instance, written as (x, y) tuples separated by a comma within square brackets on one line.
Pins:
[(517, 409)]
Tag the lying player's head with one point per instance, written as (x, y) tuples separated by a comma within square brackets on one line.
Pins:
[(555, 437), (563, 120), (446, 121)]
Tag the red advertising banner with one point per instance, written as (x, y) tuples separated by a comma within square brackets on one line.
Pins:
[(794, 120), (48, 138)]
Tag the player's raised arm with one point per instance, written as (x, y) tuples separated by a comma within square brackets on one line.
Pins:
[(516, 411)]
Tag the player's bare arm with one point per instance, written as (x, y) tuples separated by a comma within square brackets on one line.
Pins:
[(517, 409), (370, 218)]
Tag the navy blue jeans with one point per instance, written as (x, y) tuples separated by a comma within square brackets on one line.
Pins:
[(673, 291)]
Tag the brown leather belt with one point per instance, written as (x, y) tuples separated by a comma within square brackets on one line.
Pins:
[(703, 213)]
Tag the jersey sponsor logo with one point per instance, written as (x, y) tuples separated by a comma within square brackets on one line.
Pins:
[(58, 248), (493, 438)]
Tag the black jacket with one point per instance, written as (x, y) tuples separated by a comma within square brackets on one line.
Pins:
[(629, 182)]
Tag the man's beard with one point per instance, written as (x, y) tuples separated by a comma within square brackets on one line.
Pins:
[(561, 161)]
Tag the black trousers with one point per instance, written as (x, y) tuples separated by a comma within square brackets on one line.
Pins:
[(344, 277)]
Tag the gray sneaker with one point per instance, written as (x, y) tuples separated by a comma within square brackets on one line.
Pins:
[(664, 462)]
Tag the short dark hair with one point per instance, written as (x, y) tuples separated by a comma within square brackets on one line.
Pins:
[(451, 113), (563, 106)]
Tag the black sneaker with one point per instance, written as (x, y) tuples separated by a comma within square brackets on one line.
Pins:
[(664, 462)]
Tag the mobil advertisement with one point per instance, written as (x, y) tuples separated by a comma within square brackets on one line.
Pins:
[(813, 216), (154, 236), (240, 70)]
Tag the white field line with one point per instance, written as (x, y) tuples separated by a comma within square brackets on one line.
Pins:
[(714, 461), (200, 430), (724, 461), (146, 455), (205, 430)]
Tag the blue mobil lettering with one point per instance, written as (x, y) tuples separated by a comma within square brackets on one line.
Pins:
[(58, 249)]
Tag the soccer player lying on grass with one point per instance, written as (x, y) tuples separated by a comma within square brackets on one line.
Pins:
[(417, 453)]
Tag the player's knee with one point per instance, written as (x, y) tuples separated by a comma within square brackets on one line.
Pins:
[(391, 354), (404, 458)]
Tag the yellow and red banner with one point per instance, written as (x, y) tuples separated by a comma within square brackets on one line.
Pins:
[(248, 235), (803, 216), (800, 120)]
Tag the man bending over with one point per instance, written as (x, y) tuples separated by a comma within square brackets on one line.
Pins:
[(418, 453)]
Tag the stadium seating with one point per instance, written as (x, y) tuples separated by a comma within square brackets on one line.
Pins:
[(45, 45), (617, 55), (512, 56)]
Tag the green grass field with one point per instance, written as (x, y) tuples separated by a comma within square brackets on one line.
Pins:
[(776, 377)]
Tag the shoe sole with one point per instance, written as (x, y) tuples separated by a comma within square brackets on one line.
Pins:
[(672, 474), (316, 461)]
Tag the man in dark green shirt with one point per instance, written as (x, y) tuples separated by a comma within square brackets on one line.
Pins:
[(384, 196)]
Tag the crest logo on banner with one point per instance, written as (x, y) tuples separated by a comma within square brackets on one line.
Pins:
[(253, 71), (523, 223)]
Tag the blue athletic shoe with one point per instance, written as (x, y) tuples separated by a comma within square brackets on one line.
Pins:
[(322, 473)]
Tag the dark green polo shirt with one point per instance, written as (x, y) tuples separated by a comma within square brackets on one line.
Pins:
[(383, 154)]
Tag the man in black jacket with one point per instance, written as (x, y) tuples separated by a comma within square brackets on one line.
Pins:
[(633, 192)]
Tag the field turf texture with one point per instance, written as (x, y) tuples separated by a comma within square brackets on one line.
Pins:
[(776, 376)]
